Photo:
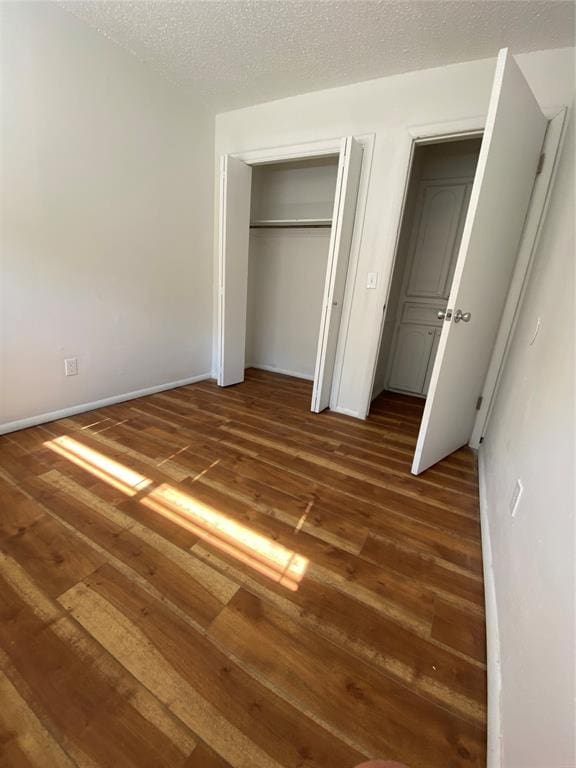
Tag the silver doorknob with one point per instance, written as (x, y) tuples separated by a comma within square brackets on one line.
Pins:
[(464, 316), (444, 314)]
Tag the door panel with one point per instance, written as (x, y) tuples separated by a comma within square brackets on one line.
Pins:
[(505, 174), (435, 238), (349, 169), (422, 314), (235, 188), (411, 355)]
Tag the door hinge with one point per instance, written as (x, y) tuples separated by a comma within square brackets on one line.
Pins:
[(540, 163), (479, 403)]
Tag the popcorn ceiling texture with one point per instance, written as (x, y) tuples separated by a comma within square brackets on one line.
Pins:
[(234, 53)]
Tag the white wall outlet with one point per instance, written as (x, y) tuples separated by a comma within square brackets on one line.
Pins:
[(71, 366), (516, 496), (372, 280)]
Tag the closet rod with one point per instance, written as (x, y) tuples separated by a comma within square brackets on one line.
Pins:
[(290, 226)]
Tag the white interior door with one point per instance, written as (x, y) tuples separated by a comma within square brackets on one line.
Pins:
[(505, 175), (235, 188), (343, 216)]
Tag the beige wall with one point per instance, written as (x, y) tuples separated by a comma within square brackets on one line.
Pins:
[(530, 437), (106, 218)]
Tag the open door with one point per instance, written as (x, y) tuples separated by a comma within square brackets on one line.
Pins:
[(505, 174), (343, 216), (235, 189)]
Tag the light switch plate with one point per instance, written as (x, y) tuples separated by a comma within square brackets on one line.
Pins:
[(372, 280)]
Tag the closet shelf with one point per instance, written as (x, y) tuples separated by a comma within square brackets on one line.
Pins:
[(289, 223)]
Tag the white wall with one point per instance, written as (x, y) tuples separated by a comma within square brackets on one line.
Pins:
[(386, 107), (106, 219), (531, 436), (286, 276)]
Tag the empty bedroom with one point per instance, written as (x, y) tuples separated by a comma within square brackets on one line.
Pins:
[(287, 423)]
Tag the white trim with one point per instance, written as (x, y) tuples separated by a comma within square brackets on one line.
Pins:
[(266, 155), (535, 218), (283, 371), (42, 418), (449, 130), (494, 663)]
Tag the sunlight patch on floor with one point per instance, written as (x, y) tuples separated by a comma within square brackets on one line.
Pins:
[(98, 464), (259, 552)]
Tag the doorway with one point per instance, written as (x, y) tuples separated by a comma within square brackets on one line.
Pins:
[(290, 227), (286, 227), (437, 201), (511, 158)]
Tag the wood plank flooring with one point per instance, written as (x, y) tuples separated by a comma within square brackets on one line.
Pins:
[(213, 578)]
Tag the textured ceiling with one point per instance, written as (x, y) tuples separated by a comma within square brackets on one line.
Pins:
[(234, 53)]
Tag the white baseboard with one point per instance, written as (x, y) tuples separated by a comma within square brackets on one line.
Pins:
[(283, 371), (494, 667), (42, 418)]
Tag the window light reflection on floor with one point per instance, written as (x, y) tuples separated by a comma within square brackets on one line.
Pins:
[(112, 472), (264, 555), (259, 552)]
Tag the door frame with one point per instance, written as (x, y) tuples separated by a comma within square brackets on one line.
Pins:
[(418, 135), (303, 151), (473, 127)]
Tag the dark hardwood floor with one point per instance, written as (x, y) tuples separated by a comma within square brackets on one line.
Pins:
[(217, 577)]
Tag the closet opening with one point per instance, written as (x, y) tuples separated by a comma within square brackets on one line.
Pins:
[(435, 207), (286, 226), (290, 227)]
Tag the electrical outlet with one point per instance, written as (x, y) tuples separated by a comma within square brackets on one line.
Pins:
[(71, 366), (372, 280), (516, 496)]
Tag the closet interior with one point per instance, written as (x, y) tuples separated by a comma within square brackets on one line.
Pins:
[(435, 210), (291, 213)]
